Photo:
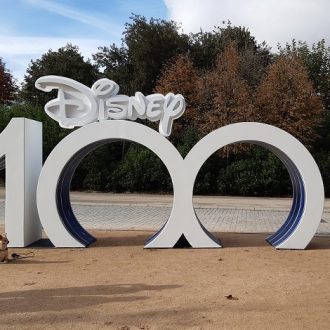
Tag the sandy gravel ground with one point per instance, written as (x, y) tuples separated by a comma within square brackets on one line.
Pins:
[(116, 284)]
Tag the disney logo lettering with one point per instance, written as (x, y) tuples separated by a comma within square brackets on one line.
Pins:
[(77, 105)]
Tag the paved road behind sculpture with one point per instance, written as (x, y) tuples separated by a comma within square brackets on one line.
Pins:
[(150, 212)]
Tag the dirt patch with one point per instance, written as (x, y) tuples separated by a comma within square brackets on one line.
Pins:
[(116, 284)]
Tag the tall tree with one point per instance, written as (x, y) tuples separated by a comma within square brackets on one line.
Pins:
[(286, 99), (146, 47), (317, 63), (66, 61), (205, 47), (116, 65), (181, 77), (7, 84), (224, 95)]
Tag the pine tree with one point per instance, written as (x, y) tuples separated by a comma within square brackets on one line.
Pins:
[(286, 99), (225, 97)]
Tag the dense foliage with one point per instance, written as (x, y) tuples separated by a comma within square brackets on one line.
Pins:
[(66, 62), (225, 77), (7, 84)]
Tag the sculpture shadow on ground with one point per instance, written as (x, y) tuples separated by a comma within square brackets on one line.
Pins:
[(61, 299)]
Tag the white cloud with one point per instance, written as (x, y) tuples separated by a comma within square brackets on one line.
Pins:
[(76, 15), (11, 45), (273, 21), (17, 52)]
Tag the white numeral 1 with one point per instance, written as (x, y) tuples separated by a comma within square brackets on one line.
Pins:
[(21, 152)]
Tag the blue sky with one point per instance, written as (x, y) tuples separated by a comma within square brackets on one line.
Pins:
[(28, 28)]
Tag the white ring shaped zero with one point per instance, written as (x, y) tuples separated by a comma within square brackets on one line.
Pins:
[(53, 201), (308, 191), (63, 229)]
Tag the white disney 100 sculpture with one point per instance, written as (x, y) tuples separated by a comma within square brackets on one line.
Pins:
[(78, 105)]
